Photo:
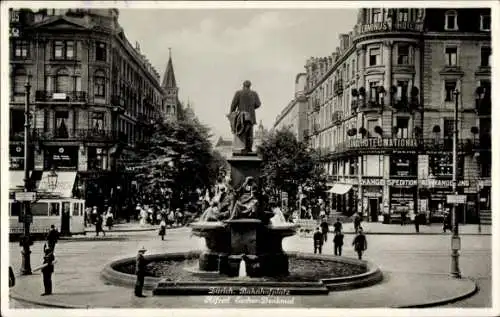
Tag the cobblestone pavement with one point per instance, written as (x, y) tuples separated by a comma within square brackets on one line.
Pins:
[(404, 259)]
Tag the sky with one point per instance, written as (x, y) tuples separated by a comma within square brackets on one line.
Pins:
[(215, 50)]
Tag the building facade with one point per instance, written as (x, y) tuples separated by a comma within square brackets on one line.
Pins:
[(293, 116), (93, 96), (381, 111)]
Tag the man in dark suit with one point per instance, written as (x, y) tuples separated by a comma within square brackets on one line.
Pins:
[(318, 241), (52, 238), (140, 271), (242, 115)]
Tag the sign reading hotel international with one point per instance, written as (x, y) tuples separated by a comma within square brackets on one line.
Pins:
[(388, 27), (382, 143)]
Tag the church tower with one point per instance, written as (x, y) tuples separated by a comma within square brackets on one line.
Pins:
[(170, 91)]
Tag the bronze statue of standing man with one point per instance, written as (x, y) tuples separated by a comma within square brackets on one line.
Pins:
[(242, 118)]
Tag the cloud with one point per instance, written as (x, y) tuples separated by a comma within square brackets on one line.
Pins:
[(215, 50)]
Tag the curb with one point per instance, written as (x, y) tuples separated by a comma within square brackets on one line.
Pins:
[(20, 298), (446, 300), (372, 276), (93, 239), (418, 234)]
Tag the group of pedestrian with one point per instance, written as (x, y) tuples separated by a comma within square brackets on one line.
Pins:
[(93, 216), (359, 243)]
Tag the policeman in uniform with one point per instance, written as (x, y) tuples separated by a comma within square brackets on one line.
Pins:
[(140, 271)]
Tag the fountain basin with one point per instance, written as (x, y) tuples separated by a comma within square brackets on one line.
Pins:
[(310, 274), (230, 242)]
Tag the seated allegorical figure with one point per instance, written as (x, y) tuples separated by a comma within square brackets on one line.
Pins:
[(246, 203), (221, 210)]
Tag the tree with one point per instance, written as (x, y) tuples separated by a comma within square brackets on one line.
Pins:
[(177, 155), (288, 164)]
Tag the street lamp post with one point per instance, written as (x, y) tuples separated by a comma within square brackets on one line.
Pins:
[(455, 238), (27, 217)]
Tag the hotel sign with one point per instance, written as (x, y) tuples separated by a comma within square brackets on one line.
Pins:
[(383, 143), (389, 26)]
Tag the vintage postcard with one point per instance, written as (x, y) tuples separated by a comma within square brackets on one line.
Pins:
[(207, 158)]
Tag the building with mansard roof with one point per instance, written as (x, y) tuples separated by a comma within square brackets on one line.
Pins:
[(381, 111), (93, 96)]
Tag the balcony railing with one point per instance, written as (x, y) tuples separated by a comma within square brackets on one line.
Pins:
[(337, 117), (316, 105), (58, 96), (338, 87), (97, 135)]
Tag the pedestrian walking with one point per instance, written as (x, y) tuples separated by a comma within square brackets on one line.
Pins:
[(178, 217), (52, 237), (357, 222), (360, 244), (163, 229), (416, 221), (318, 241), (86, 217), (447, 222), (12, 277), (140, 272), (47, 270), (158, 217), (109, 218), (98, 226), (95, 214), (403, 218), (338, 242), (324, 228), (337, 226)]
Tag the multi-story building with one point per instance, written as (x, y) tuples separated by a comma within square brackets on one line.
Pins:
[(381, 111), (293, 116), (92, 97)]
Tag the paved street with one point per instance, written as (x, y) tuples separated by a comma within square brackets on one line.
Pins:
[(408, 256)]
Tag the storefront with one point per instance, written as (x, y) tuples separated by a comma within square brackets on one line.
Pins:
[(435, 191), (344, 196), (372, 198), (61, 158), (16, 156), (402, 197)]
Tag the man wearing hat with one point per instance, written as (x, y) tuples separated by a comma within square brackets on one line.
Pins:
[(47, 270), (140, 271)]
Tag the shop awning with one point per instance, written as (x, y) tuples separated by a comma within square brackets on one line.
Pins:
[(16, 180), (64, 187), (340, 188)]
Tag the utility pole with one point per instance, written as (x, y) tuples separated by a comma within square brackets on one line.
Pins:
[(455, 238), (27, 217)]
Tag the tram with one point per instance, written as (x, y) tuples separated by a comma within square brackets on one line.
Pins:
[(53, 207)]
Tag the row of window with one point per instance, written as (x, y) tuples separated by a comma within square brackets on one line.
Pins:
[(451, 60), (400, 165), (450, 19), (61, 50)]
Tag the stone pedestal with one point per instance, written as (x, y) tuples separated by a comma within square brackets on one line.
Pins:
[(243, 166), (244, 235)]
